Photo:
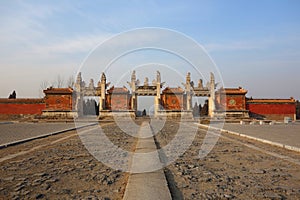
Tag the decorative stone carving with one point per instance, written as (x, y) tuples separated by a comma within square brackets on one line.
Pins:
[(158, 77), (154, 89), (200, 84), (91, 85), (146, 82)]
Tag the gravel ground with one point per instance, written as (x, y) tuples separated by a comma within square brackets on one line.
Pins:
[(62, 170), (230, 171)]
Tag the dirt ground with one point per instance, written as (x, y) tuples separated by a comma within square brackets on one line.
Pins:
[(64, 170), (60, 167), (231, 170)]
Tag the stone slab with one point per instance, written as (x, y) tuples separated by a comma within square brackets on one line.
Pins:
[(286, 134), (147, 186), (281, 135), (145, 183), (14, 134)]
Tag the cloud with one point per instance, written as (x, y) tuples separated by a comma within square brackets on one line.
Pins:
[(233, 46), (30, 46), (257, 43), (77, 44), (24, 21)]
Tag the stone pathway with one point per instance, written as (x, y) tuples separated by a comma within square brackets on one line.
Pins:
[(19, 131), (144, 183), (286, 134)]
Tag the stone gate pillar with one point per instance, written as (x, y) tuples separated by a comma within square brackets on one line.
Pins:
[(188, 91), (211, 99), (102, 92), (158, 91), (132, 85), (79, 96)]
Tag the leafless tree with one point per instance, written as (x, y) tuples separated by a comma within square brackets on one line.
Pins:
[(44, 85), (70, 82), (59, 83)]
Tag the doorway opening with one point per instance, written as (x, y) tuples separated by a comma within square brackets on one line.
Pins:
[(145, 106), (199, 107), (91, 106)]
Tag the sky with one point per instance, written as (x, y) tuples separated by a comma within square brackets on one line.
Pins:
[(254, 44)]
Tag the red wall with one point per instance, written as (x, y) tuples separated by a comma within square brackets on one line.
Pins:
[(172, 101), (231, 101), (273, 111), (22, 106), (272, 108), (118, 101), (298, 109), (58, 102), (235, 102)]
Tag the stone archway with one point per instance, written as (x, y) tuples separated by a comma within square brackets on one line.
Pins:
[(123, 100), (146, 90)]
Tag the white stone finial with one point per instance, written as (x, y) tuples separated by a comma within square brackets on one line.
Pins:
[(158, 77), (146, 82)]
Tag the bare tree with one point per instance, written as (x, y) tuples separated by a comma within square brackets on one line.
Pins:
[(70, 82), (43, 86), (59, 82)]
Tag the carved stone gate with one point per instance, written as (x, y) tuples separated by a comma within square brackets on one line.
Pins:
[(124, 102)]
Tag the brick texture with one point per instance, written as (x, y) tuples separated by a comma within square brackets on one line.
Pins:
[(118, 101), (21, 106), (172, 101), (58, 102)]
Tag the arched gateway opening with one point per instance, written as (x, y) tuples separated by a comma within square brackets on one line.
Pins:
[(123, 101), (145, 106), (91, 106)]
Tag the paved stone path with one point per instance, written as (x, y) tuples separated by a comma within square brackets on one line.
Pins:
[(287, 134), (19, 131), (143, 183)]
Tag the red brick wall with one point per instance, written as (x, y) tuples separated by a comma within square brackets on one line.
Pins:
[(117, 101), (298, 109), (58, 102), (21, 106), (232, 101), (276, 111), (172, 101), (235, 102), (272, 108)]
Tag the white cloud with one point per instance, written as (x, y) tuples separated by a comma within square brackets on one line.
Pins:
[(233, 46), (252, 44), (79, 44), (31, 53)]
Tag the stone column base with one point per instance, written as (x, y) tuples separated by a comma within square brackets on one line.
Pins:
[(110, 114), (175, 114), (59, 114)]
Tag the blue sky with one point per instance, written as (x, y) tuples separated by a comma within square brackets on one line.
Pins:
[(255, 44)]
